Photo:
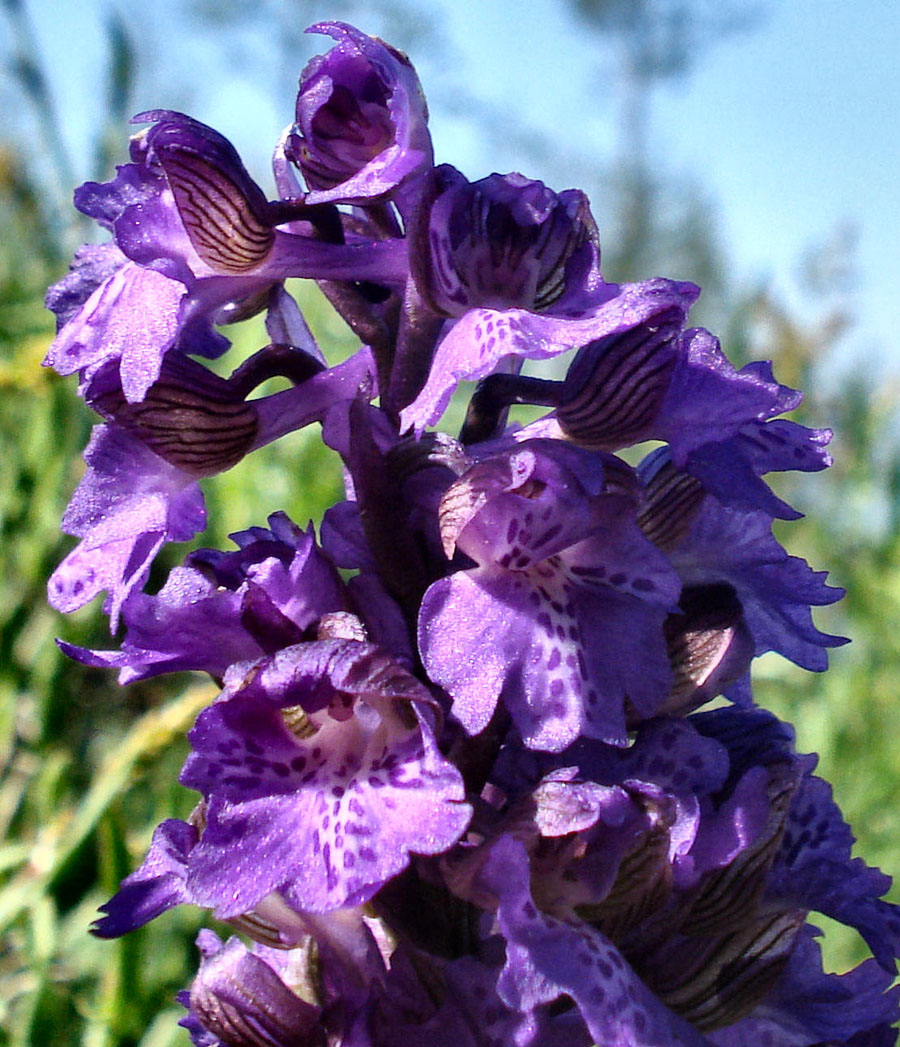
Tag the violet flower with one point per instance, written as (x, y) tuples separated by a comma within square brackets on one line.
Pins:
[(361, 126), (562, 613), (198, 244), (458, 786), (503, 242), (222, 608), (140, 489)]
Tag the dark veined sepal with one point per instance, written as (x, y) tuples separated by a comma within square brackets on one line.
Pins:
[(224, 212), (615, 385), (243, 1001), (190, 417)]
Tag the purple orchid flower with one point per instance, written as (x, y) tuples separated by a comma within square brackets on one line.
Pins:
[(503, 242), (709, 542), (330, 815), (361, 126), (562, 613), (199, 244), (222, 608), (320, 805), (635, 875), (140, 488), (451, 788)]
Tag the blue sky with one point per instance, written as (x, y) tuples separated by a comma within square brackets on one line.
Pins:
[(792, 128)]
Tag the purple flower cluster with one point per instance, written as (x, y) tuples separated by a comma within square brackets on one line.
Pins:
[(455, 790)]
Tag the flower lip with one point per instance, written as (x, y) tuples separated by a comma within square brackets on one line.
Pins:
[(365, 790)]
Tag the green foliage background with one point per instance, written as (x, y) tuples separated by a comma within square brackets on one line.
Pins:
[(87, 769)]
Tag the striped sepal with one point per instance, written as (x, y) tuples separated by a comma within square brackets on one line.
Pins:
[(558, 241), (615, 386), (643, 885), (213, 194), (714, 982), (726, 895), (672, 499), (190, 417)]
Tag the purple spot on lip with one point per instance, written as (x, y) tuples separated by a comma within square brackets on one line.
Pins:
[(549, 534)]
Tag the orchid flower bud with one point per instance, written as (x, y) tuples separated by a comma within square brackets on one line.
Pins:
[(502, 242), (361, 120)]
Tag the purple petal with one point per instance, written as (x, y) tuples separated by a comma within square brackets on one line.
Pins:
[(814, 868), (266, 595), (480, 339), (776, 590), (155, 887), (808, 1006), (709, 401), (133, 316), (547, 958), (129, 503), (92, 265), (563, 615)]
